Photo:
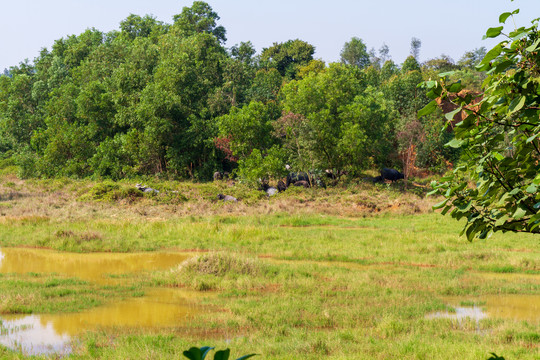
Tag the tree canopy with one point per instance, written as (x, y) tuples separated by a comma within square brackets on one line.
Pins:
[(498, 136), (158, 99)]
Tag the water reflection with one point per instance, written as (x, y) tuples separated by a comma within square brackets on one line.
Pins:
[(32, 336), (515, 307), (52, 333), (460, 313), (94, 267)]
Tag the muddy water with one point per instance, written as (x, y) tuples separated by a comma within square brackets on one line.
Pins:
[(99, 268), (52, 333), (517, 307)]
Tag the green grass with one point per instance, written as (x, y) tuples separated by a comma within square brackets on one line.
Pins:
[(285, 277)]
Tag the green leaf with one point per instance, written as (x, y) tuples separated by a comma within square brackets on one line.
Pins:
[(519, 214), (517, 104), (493, 32), (497, 156), (450, 116), (534, 46), (222, 354), (440, 205), (447, 73), (455, 143), (531, 139), (246, 356), (533, 188), (455, 87), (193, 353), (205, 350), (428, 109), (500, 221), (504, 16), (491, 54)]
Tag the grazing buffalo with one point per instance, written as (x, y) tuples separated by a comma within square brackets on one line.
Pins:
[(301, 183), (146, 189), (221, 175), (391, 174), (281, 186), (299, 176), (269, 190), (226, 197)]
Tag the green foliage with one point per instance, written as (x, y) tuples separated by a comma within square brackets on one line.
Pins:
[(199, 18), (288, 57), (248, 128), (195, 353), (170, 100), (499, 140), (262, 166), (332, 121), (355, 53)]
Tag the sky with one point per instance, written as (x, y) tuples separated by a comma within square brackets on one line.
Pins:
[(444, 27)]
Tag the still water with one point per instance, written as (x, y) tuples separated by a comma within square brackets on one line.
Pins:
[(100, 268), (52, 333)]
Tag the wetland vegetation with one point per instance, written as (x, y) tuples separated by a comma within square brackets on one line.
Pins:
[(356, 271)]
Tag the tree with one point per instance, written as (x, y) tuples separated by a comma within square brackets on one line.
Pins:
[(355, 53), (288, 57), (416, 44), (471, 58), (332, 120), (499, 137), (199, 18)]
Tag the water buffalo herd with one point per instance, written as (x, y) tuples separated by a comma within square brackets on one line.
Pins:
[(306, 180)]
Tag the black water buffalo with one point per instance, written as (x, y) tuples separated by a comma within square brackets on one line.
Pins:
[(303, 183), (226, 197), (281, 186), (146, 189), (391, 174), (298, 176), (221, 175), (269, 190)]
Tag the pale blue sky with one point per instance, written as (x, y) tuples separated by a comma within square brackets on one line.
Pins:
[(29, 25)]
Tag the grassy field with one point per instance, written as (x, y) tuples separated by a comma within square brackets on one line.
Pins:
[(346, 273)]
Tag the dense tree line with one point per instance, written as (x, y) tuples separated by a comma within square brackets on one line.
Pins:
[(169, 99)]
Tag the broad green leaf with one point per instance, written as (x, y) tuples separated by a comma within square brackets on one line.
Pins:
[(193, 353), (531, 189), (493, 32), (491, 54), (450, 116), (222, 354), (504, 16), (517, 104), (531, 138), (440, 205), (447, 73), (428, 109), (204, 351), (497, 156), (534, 46), (455, 143), (500, 221), (455, 87), (519, 214)]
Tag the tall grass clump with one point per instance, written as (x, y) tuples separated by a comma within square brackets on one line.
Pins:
[(218, 271)]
